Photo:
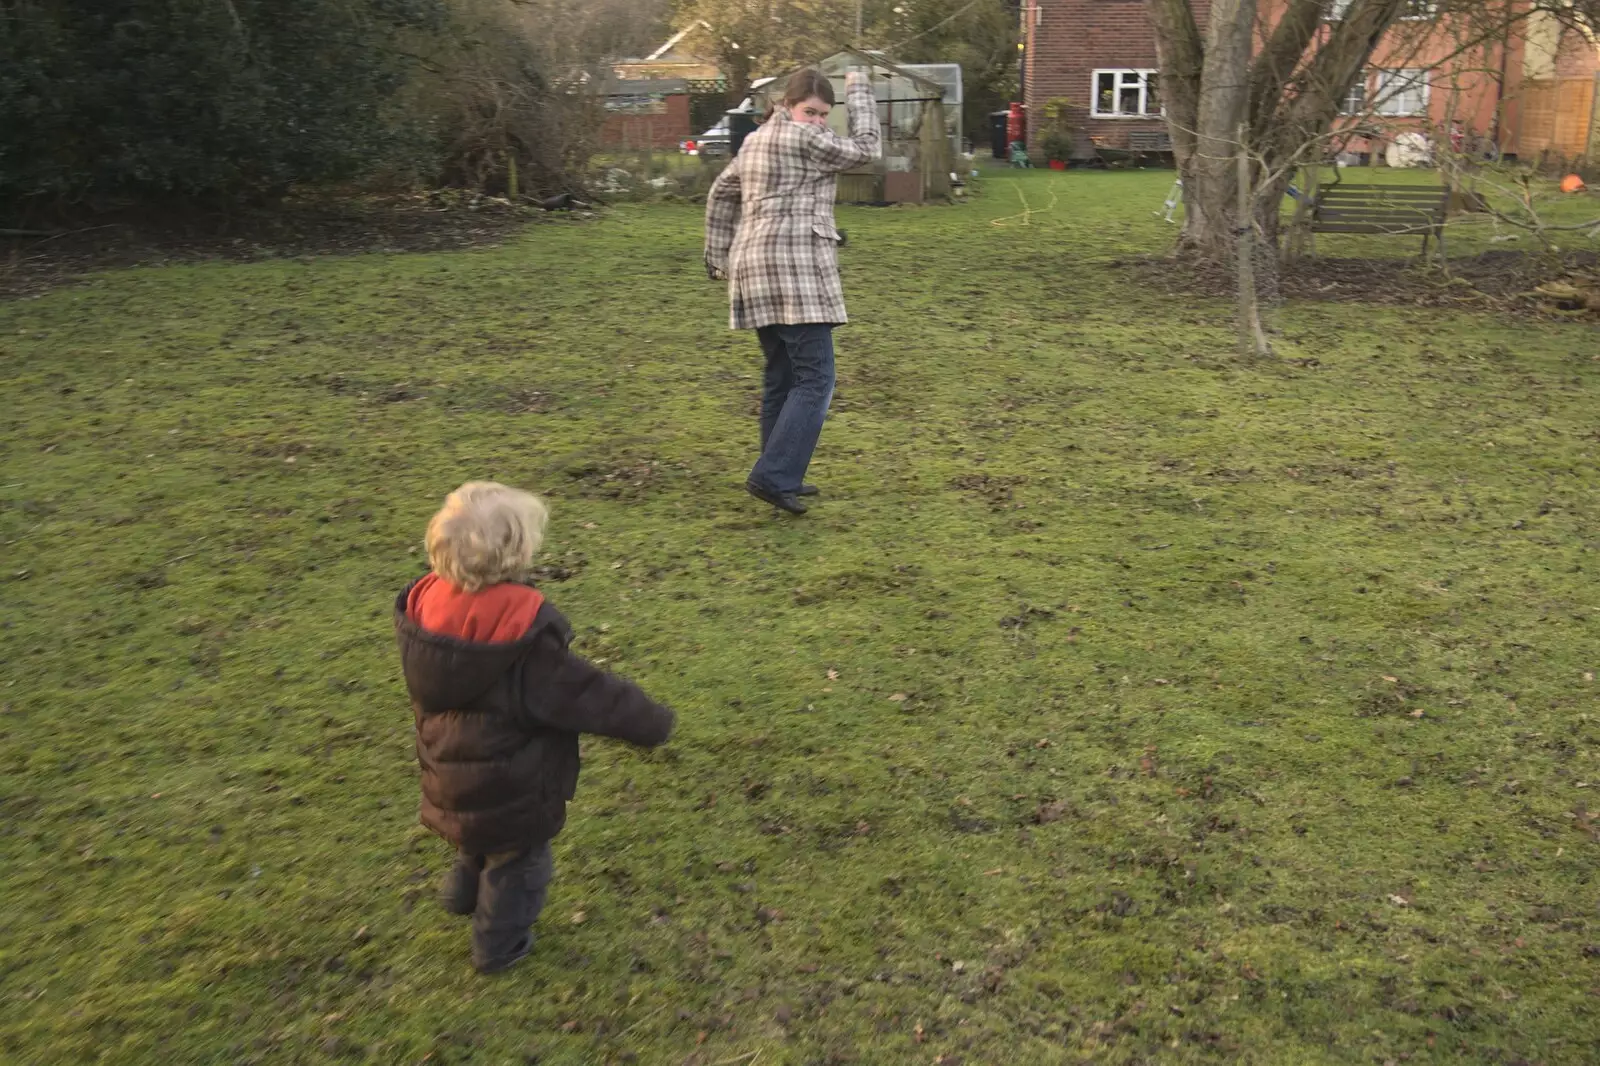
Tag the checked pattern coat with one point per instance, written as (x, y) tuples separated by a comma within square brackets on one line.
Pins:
[(769, 216)]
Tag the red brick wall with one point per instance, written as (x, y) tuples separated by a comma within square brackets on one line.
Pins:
[(656, 131), (1578, 58), (1067, 41)]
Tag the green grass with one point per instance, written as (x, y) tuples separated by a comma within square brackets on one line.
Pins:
[(1185, 711)]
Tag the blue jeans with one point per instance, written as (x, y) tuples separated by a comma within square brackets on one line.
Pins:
[(796, 391)]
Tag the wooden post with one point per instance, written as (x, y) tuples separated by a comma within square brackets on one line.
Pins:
[(1245, 227), (1252, 338), (1311, 215), (512, 193)]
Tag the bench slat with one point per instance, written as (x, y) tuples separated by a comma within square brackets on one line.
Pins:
[(1369, 227), (1412, 190), (1376, 216), (1337, 198), (1398, 201)]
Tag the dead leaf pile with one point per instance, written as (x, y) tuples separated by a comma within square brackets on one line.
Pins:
[(1577, 293)]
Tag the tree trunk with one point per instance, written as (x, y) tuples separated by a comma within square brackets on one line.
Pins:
[(1287, 98), (737, 64)]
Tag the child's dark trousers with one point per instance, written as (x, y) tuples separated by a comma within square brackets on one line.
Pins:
[(504, 892)]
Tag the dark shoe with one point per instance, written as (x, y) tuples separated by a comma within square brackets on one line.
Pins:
[(459, 892), (506, 961), (783, 501), (807, 490)]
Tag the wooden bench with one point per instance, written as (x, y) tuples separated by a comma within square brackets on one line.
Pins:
[(1392, 210)]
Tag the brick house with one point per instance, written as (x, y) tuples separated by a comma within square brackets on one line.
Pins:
[(1100, 56)]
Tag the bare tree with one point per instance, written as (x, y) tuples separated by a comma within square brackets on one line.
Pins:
[(1283, 82), (511, 85)]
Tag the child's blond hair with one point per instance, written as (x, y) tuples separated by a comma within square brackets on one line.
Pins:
[(486, 533)]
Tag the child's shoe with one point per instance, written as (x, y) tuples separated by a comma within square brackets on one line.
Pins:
[(518, 952)]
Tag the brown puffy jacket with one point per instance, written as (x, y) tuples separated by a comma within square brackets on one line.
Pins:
[(498, 724)]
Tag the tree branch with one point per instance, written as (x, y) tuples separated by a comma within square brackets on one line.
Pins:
[(1281, 57)]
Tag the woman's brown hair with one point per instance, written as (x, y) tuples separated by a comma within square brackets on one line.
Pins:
[(804, 84)]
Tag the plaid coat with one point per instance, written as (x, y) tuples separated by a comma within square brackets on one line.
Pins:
[(769, 216)]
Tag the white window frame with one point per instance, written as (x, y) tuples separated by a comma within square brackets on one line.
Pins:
[(1355, 101), (1415, 11), (1385, 101), (1142, 74)]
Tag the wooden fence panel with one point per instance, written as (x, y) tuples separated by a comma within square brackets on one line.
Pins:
[(1557, 117)]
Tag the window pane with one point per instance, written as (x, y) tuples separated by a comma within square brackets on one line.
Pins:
[(1405, 92), (1355, 100), (1105, 93), (1152, 94), (1128, 95), (1402, 92)]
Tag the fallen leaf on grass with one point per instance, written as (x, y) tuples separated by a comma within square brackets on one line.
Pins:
[(833, 675), (1399, 901), (1418, 713), (1391, 680), (898, 697), (579, 917)]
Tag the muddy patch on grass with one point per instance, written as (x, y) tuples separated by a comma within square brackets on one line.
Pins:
[(1499, 280), (626, 475), (51, 256), (502, 399), (462, 398), (856, 584), (369, 389), (999, 491)]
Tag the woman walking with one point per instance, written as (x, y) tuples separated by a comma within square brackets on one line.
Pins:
[(770, 233)]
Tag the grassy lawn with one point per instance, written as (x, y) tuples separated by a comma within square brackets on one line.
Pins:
[(1117, 704)]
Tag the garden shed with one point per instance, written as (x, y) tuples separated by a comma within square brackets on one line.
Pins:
[(918, 153)]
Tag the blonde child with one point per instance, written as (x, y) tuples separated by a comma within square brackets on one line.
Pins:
[(499, 701)]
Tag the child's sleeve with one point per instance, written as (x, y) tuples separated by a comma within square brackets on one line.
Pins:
[(564, 690)]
